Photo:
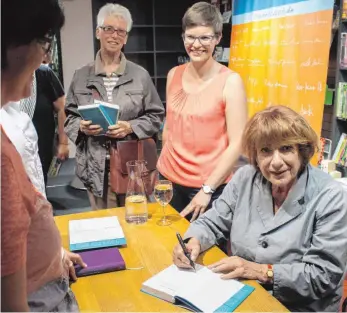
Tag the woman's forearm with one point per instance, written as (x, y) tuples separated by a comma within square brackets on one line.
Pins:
[(63, 139), (225, 166)]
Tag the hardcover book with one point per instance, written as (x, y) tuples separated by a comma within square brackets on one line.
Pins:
[(95, 233), (100, 113), (100, 261)]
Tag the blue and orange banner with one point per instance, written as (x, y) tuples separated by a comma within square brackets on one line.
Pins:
[(281, 50)]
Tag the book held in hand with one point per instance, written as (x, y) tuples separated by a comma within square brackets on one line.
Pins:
[(100, 261), (54, 167), (100, 113), (95, 233), (200, 291)]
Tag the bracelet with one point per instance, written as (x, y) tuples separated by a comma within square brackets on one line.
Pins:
[(61, 143)]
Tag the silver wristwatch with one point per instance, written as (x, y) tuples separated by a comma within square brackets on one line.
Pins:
[(207, 189)]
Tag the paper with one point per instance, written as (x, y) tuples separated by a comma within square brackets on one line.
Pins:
[(104, 230), (203, 288)]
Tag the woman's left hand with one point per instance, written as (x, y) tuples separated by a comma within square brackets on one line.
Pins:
[(71, 259), (236, 267), (120, 130), (63, 151), (198, 205)]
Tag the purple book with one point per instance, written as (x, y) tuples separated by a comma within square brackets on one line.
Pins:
[(100, 261)]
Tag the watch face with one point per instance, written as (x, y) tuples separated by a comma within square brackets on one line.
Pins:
[(270, 274), (206, 189)]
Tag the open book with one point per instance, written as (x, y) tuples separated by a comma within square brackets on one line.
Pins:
[(200, 291), (93, 233), (100, 113)]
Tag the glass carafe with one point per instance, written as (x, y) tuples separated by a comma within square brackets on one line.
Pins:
[(136, 211)]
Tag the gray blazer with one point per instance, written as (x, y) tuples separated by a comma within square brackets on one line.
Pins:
[(306, 241), (139, 104)]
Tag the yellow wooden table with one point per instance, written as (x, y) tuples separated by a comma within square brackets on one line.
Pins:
[(148, 251)]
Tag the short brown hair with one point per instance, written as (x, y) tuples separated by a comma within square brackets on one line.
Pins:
[(203, 14), (278, 126)]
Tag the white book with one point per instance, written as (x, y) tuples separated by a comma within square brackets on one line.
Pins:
[(202, 290), (95, 233)]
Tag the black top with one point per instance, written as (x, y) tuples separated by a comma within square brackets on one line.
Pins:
[(49, 89)]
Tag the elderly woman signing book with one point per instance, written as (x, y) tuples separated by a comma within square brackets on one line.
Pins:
[(286, 220)]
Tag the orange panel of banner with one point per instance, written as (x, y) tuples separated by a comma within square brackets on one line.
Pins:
[(284, 61)]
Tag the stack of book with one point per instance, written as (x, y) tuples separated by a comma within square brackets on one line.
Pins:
[(100, 113), (340, 154), (341, 109), (96, 239)]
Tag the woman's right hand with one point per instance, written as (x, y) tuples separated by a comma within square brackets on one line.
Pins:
[(89, 129), (193, 247)]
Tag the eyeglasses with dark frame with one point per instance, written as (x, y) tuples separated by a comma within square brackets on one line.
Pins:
[(46, 44), (204, 40), (110, 30)]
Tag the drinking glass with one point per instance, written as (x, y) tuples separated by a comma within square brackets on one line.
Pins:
[(163, 195)]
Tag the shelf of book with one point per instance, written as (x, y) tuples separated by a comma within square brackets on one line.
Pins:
[(339, 119), (340, 154)]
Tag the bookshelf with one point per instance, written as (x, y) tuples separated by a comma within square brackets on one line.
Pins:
[(339, 121), (155, 40)]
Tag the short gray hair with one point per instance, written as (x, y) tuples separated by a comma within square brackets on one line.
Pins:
[(116, 10), (203, 14)]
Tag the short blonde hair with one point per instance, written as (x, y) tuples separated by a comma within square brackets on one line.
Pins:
[(203, 14), (277, 126)]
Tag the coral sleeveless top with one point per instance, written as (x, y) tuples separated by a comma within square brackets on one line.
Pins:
[(197, 134)]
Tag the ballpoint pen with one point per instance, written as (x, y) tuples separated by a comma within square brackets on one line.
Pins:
[(185, 251)]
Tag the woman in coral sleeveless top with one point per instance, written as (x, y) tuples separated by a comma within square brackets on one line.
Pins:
[(206, 115)]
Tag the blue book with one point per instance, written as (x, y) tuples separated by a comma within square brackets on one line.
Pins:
[(95, 233), (100, 113), (200, 291)]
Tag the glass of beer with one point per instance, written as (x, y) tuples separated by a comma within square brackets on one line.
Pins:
[(163, 195)]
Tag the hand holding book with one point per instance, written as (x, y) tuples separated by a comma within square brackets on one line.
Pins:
[(89, 129), (97, 117), (120, 130)]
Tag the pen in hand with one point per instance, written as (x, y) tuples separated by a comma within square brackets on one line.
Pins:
[(185, 251)]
